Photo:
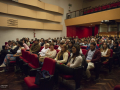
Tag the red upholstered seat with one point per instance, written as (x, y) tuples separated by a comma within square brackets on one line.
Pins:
[(41, 48), (67, 76), (84, 51), (6, 43), (83, 47), (84, 12), (57, 50), (48, 65), (34, 61), (30, 45), (111, 53), (12, 61), (56, 47), (117, 87), (23, 54), (105, 62), (30, 82), (27, 57)]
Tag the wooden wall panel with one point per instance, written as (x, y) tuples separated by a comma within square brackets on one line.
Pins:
[(41, 15), (26, 24), (58, 18), (60, 10), (49, 16), (3, 21), (50, 26), (30, 2), (15, 10), (41, 5), (12, 22), (51, 7), (3, 7), (39, 25)]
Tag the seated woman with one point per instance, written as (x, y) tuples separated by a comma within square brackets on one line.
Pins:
[(25, 45), (59, 48), (12, 57), (46, 41), (70, 45), (116, 51), (51, 53), (105, 53), (75, 61), (14, 45), (62, 56)]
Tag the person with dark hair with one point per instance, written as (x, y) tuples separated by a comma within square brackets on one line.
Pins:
[(7, 46), (24, 44), (42, 42), (31, 42), (93, 55), (35, 48), (59, 48), (70, 45), (74, 62), (51, 53), (105, 53), (62, 55), (12, 57), (85, 43), (46, 41), (116, 51)]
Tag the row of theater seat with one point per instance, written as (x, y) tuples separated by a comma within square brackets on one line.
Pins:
[(102, 8)]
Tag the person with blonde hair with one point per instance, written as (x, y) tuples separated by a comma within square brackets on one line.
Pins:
[(62, 56)]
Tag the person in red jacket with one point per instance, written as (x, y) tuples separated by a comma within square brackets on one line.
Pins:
[(93, 55)]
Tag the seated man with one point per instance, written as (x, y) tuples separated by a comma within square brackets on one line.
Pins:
[(35, 47), (92, 41), (92, 56), (51, 53), (85, 43), (44, 50)]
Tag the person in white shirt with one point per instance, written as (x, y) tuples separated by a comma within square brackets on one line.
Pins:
[(59, 48), (75, 62), (50, 53), (44, 50)]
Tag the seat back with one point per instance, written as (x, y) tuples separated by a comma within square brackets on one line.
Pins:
[(35, 61), (56, 47), (28, 56), (6, 43), (84, 51), (23, 53), (57, 50), (49, 65), (41, 48), (83, 47), (111, 53), (30, 45)]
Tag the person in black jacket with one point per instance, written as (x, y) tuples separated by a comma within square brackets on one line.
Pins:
[(116, 51)]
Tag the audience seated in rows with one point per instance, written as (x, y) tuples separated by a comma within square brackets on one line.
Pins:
[(12, 57)]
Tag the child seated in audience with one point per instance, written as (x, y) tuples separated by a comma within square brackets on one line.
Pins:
[(12, 57), (35, 48), (74, 62), (51, 53), (44, 50), (105, 53), (62, 56)]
